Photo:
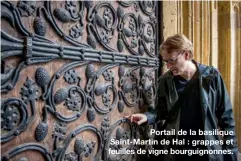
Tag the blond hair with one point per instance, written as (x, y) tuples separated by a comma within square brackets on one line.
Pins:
[(177, 42)]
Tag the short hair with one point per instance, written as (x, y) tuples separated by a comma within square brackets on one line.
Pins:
[(177, 42)]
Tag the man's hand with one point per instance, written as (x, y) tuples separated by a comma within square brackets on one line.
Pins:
[(138, 118)]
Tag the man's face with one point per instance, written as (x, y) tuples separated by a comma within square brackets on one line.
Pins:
[(175, 61)]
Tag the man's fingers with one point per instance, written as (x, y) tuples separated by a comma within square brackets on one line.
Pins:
[(128, 116), (141, 121), (137, 118)]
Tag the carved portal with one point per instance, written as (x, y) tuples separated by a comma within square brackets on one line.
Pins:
[(70, 71)]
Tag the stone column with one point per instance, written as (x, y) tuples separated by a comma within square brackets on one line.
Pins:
[(235, 87)]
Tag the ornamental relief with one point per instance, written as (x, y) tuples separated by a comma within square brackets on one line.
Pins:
[(70, 71), (89, 24)]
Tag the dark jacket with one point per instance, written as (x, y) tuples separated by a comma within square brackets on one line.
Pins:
[(216, 110)]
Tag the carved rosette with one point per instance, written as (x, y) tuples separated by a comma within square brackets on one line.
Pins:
[(14, 118), (81, 148), (72, 96), (107, 92)]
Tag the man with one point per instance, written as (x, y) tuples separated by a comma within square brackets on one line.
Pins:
[(192, 97)]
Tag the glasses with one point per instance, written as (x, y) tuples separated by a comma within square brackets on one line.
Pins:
[(171, 61)]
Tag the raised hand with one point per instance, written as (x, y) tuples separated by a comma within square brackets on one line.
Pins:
[(138, 118)]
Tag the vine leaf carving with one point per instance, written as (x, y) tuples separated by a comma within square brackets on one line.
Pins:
[(127, 32), (141, 49), (128, 87), (91, 41), (99, 20), (120, 12), (6, 75), (29, 91), (7, 14), (120, 45), (121, 106), (101, 89), (26, 8)]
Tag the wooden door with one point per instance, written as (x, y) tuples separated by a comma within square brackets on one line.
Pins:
[(70, 71)]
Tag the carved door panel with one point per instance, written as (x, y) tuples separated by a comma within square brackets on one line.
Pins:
[(70, 71)]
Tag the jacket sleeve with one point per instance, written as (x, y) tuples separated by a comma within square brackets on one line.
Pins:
[(225, 118), (157, 110)]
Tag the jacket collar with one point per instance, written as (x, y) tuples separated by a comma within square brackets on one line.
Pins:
[(203, 70), (204, 82)]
